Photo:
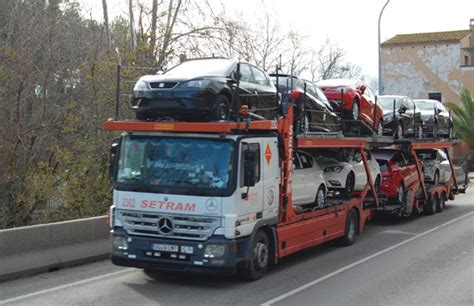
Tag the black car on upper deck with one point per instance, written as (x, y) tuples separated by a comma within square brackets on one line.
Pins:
[(313, 110), (436, 118), (401, 118), (205, 89)]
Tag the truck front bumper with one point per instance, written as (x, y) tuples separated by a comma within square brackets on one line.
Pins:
[(180, 255)]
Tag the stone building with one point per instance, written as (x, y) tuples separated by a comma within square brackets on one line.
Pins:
[(437, 65)]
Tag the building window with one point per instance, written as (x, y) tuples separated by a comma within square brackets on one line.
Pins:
[(466, 60), (434, 96)]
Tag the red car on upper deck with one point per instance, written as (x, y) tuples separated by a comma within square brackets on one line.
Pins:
[(398, 171), (355, 100)]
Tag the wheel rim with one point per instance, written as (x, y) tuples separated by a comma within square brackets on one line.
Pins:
[(399, 131), (320, 198), (349, 183), (355, 111), (380, 129), (400, 194), (223, 111), (260, 255), (305, 124), (351, 229)]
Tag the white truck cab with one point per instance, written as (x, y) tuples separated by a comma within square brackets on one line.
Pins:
[(191, 202)]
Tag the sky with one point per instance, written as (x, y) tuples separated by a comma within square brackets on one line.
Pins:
[(351, 24)]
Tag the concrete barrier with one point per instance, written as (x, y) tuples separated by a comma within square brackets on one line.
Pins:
[(39, 248)]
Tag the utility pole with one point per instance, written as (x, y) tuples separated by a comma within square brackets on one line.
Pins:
[(381, 85)]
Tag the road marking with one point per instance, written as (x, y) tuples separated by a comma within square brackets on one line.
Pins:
[(361, 261), (81, 282)]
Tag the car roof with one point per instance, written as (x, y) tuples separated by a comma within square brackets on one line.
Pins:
[(426, 100), (393, 96), (337, 82)]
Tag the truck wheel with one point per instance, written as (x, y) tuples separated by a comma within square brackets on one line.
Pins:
[(431, 206), (351, 229), (259, 258), (441, 203)]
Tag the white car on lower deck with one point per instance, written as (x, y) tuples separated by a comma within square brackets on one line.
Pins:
[(344, 170), (309, 185)]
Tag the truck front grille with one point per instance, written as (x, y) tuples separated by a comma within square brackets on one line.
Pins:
[(169, 226)]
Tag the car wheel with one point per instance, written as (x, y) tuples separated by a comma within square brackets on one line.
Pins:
[(305, 123), (222, 109), (420, 130), (398, 131), (400, 194), (377, 185), (259, 258), (355, 110), (350, 229), (320, 197), (380, 129), (350, 183), (436, 178)]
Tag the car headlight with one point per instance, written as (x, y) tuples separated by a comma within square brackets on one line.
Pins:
[(334, 169), (141, 86), (214, 250), (195, 83)]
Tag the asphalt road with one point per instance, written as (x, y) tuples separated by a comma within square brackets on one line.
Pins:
[(426, 260)]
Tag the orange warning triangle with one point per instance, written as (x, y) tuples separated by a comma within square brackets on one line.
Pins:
[(268, 154)]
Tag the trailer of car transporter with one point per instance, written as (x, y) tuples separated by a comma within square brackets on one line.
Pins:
[(216, 197), (421, 196)]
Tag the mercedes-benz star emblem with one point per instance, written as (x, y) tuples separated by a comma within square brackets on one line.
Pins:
[(165, 226)]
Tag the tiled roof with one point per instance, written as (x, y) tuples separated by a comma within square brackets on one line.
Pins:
[(418, 38)]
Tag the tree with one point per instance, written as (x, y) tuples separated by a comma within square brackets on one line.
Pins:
[(463, 118)]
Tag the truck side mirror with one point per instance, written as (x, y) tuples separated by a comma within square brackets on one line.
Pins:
[(249, 169), (362, 88), (113, 156)]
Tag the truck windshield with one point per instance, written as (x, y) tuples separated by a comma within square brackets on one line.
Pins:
[(175, 162)]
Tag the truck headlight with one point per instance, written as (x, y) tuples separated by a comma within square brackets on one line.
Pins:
[(119, 243), (214, 250)]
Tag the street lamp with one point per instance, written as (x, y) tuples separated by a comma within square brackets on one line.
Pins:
[(380, 60)]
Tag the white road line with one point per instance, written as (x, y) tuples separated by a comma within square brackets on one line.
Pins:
[(327, 276), (81, 282)]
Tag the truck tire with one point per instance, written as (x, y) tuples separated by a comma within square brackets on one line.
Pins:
[(441, 203), (350, 229), (431, 206), (256, 267)]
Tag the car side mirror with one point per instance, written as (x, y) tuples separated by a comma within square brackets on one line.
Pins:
[(438, 111), (402, 110), (114, 148), (236, 75), (362, 88), (358, 158)]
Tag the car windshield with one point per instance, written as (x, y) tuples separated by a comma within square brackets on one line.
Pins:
[(424, 105), (426, 155), (286, 82), (203, 67), (383, 165), (387, 102), (175, 162)]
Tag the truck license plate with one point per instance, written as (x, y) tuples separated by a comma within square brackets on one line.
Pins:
[(164, 247)]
